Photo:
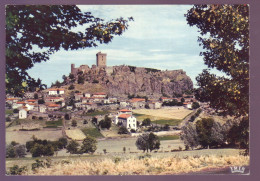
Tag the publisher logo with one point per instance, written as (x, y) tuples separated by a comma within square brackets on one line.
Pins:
[(237, 169)]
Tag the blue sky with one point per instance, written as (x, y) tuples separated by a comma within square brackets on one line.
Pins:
[(159, 37)]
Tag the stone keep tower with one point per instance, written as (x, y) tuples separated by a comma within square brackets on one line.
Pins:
[(101, 59)]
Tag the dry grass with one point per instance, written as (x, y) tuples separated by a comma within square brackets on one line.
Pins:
[(146, 166), (23, 136), (75, 134), (157, 114)]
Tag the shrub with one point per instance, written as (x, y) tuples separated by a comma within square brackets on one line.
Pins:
[(67, 116), (40, 118), (74, 123), (146, 122), (16, 170), (71, 87), (122, 130), (8, 119), (195, 105), (15, 111)]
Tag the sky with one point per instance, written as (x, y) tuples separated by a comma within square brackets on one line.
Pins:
[(159, 37)]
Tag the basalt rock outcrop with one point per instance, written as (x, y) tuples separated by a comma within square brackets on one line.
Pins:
[(129, 80)]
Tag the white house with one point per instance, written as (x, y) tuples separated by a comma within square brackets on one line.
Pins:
[(124, 111), (22, 114), (30, 106), (99, 94), (42, 108), (127, 121), (56, 91)]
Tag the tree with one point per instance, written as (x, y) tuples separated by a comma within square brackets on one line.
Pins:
[(189, 136), (67, 116), (71, 87), (62, 142), (49, 28), (81, 80), (10, 151), (122, 130), (72, 147), (74, 123), (20, 150), (226, 46), (41, 101), (35, 96), (89, 145), (195, 105), (146, 122), (147, 142), (106, 123)]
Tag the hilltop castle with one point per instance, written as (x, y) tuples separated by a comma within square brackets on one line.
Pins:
[(101, 60)]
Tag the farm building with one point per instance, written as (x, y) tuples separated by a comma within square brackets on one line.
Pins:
[(127, 121)]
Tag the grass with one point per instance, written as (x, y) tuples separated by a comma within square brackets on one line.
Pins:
[(168, 165), (169, 137), (52, 124), (97, 113), (9, 111), (136, 114), (170, 122), (92, 132)]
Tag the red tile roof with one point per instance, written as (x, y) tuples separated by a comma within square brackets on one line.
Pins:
[(20, 102), (56, 89), (31, 100), (124, 116), (54, 105), (99, 93), (137, 100), (125, 110)]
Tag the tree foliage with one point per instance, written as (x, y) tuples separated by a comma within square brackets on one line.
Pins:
[(189, 136), (89, 145), (148, 141), (34, 32), (73, 147), (224, 36)]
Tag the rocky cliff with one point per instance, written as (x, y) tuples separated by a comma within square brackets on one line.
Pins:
[(128, 80)]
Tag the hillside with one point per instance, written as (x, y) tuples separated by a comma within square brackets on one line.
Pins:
[(128, 80)]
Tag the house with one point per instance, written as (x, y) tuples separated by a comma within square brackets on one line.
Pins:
[(54, 99), (42, 108), (100, 95), (56, 91), (127, 121), (18, 104), (138, 103), (53, 107), (167, 99), (124, 111), (124, 104), (155, 105), (23, 114), (78, 96), (30, 106)]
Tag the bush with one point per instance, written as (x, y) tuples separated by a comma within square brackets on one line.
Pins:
[(146, 122), (67, 116), (8, 119), (105, 123), (41, 101), (71, 87), (195, 105), (40, 118), (15, 111), (74, 123), (122, 130), (16, 170), (95, 81)]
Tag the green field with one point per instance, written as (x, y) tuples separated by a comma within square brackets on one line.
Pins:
[(169, 137), (9, 111), (170, 122), (97, 113), (92, 132), (54, 124)]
